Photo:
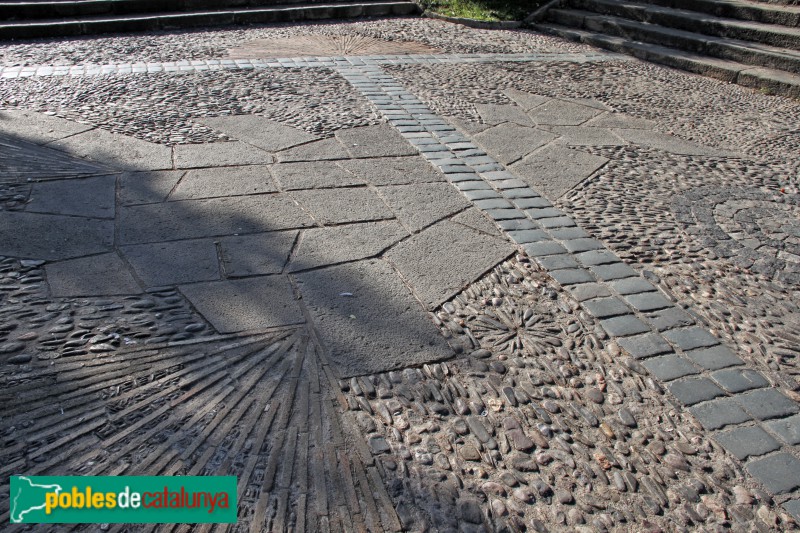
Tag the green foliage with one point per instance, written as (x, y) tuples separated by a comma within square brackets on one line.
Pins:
[(489, 10)]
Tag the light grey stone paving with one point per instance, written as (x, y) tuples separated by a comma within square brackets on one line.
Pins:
[(374, 141), (325, 149), (554, 169), (119, 151), (173, 263), (37, 127), (260, 131), (246, 304), (563, 113), (312, 175), (351, 242), (259, 254), (510, 142), (224, 181), (497, 114), (96, 275), (340, 206), (53, 237), (88, 197), (213, 217), (147, 187), (526, 101), (620, 121), (222, 155), (444, 258), (351, 302), (420, 205), (583, 136), (392, 170), (475, 219)]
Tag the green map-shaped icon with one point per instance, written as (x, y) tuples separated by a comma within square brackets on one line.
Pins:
[(28, 499)]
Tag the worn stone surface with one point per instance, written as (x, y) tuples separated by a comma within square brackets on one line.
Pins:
[(554, 170), (339, 206), (88, 198), (221, 155), (97, 275), (374, 141), (313, 175), (258, 254), (511, 142), (226, 181), (392, 170), (420, 205), (120, 151), (173, 263), (39, 236), (260, 132)]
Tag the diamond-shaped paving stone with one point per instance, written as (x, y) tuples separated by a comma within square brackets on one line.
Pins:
[(788, 429), (368, 320), (392, 170), (98, 275), (259, 131), (473, 218), (328, 246), (225, 181), (444, 258), (219, 154), (245, 304), (258, 254), (695, 390), (736, 380), (780, 473), (793, 508), (647, 345), (767, 403), (171, 263), (719, 413), (509, 142), (553, 170), (374, 141), (669, 367), (714, 358), (338, 206), (691, 338), (563, 113), (496, 114), (420, 205), (312, 175), (747, 441)]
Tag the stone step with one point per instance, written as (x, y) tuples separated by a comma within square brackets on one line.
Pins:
[(49, 9), (773, 13), (217, 17), (771, 80), (732, 49), (684, 19)]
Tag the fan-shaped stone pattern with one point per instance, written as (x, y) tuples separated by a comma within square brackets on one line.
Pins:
[(22, 161), (325, 45)]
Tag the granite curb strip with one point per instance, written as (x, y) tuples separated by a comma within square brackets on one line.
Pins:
[(10, 72), (737, 405)]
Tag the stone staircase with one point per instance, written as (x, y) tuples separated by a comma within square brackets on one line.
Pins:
[(755, 44), (57, 18)]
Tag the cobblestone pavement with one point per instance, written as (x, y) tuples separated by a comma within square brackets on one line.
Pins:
[(402, 275)]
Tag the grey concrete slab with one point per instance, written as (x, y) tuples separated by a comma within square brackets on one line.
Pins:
[(393, 170), (420, 205), (374, 141), (313, 175), (747, 441), (510, 142), (147, 187), (526, 101), (224, 181), (53, 237), (173, 263), (368, 320), (474, 219), (443, 259), (97, 275), (648, 301), (245, 304), (324, 150), (119, 151), (220, 154), (563, 113), (583, 136), (555, 169), (37, 127), (497, 114), (212, 217), (339, 206), (259, 254), (351, 242), (620, 121), (86, 197), (667, 143), (259, 131)]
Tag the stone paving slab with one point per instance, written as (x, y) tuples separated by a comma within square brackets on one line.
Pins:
[(374, 141), (87, 198), (313, 175), (147, 187), (223, 155), (120, 151), (392, 170), (259, 254), (260, 132), (37, 127), (53, 237), (226, 181), (350, 302), (325, 149), (556, 169), (511, 142), (420, 205), (96, 275), (173, 263), (339, 206)]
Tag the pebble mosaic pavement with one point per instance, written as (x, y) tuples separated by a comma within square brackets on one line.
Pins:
[(525, 287)]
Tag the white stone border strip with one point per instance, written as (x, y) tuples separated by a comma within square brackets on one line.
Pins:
[(11, 72), (761, 425)]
